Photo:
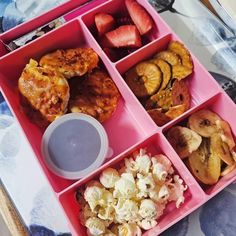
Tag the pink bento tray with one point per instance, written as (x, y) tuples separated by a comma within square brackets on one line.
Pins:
[(130, 127)]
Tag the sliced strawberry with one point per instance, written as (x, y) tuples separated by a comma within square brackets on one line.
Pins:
[(123, 36), (104, 23), (139, 15)]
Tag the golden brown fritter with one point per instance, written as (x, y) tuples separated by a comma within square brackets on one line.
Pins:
[(96, 95), (46, 90), (71, 62)]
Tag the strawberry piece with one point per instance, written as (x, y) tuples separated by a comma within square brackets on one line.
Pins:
[(104, 23), (123, 36), (139, 15)]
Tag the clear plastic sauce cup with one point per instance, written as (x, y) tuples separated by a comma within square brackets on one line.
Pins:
[(74, 145)]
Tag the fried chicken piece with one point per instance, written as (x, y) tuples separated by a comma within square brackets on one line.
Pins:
[(71, 62), (96, 95), (46, 90)]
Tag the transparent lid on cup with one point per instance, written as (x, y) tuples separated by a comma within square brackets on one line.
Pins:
[(74, 145)]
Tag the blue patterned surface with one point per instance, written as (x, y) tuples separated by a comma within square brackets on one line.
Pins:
[(216, 217)]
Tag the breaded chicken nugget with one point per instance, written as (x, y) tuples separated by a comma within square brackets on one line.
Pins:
[(71, 62), (96, 95), (46, 90)]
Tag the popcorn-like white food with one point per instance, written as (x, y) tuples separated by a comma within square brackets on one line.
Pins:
[(98, 197), (147, 224), (85, 213), (159, 171), (131, 166), (109, 177), (125, 187), (145, 184), (143, 162), (176, 190), (109, 233), (162, 159), (148, 209), (107, 213), (133, 197), (126, 210), (154, 193), (95, 226), (130, 229), (93, 195), (107, 198), (163, 194), (160, 209)]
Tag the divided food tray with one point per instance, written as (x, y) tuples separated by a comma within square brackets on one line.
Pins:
[(130, 127)]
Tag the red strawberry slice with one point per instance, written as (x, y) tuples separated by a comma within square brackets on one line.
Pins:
[(104, 23), (123, 36), (139, 15)]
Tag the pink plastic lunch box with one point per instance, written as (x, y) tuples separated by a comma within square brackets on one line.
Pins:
[(130, 127)]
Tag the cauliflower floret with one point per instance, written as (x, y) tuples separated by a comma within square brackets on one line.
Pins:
[(143, 162), (126, 210), (130, 229), (145, 184), (125, 187), (109, 177), (95, 226), (148, 209), (147, 224)]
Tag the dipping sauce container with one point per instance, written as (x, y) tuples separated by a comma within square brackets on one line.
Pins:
[(74, 145)]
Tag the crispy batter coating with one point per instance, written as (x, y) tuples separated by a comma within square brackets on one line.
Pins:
[(71, 62), (96, 95), (46, 90)]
